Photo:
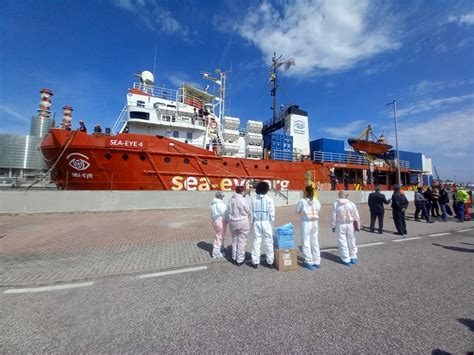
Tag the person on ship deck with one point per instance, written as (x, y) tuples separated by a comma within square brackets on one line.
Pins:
[(82, 126)]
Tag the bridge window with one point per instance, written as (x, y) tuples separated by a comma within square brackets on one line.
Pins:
[(189, 135), (175, 134), (140, 103), (140, 115)]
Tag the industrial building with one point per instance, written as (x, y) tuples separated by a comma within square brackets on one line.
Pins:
[(20, 159)]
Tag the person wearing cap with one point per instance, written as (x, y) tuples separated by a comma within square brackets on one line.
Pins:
[(239, 224), (97, 129), (399, 206), (82, 126), (377, 210), (262, 208), (219, 224), (344, 213), (308, 209)]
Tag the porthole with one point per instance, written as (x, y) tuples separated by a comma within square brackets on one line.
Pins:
[(186, 161), (238, 164), (225, 163), (108, 156), (142, 157), (255, 166), (267, 167), (167, 159), (125, 156), (204, 162)]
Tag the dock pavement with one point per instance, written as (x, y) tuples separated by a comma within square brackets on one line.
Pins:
[(43, 249)]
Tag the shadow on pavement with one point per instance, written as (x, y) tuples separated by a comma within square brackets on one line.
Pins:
[(329, 256), (464, 250), (466, 243), (468, 323), (439, 352), (206, 246)]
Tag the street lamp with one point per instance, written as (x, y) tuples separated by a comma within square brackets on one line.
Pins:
[(394, 103)]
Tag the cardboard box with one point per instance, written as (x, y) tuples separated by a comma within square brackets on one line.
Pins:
[(286, 259)]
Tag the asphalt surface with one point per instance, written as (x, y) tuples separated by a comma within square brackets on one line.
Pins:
[(413, 296)]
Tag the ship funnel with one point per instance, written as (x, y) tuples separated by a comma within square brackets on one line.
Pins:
[(45, 103), (67, 117)]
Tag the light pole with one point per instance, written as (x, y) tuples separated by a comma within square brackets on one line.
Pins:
[(394, 103)]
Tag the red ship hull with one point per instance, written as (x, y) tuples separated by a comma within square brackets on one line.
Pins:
[(140, 162)]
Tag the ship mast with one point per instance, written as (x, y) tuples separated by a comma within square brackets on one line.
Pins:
[(276, 63)]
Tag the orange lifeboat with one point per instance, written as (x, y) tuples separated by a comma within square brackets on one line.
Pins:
[(371, 147)]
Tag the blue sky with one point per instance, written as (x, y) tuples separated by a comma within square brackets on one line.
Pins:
[(351, 58)]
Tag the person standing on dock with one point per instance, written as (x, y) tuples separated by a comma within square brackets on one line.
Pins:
[(377, 209), (219, 224), (461, 199), (308, 209), (344, 213), (239, 214), (263, 218), (399, 207)]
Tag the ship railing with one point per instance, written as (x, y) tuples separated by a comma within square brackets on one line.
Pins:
[(163, 93), (121, 120), (328, 157)]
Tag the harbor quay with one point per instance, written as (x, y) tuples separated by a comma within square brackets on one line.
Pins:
[(58, 247)]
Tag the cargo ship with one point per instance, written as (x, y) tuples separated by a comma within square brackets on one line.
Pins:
[(182, 140)]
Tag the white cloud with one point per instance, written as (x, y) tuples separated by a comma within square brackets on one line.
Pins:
[(153, 16), (428, 105), (448, 139), (179, 78), (321, 35), (11, 112), (353, 129), (466, 19)]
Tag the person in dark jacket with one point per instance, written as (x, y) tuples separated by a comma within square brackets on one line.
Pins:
[(82, 126), (399, 207), (429, 199), (377, 210), (443, 203), (420, 205), (435, 204)]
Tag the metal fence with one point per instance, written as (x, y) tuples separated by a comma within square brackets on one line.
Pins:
[(329, 157)]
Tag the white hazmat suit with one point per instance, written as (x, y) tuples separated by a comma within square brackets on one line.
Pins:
[(219, 224), (308, 211), (239, 214), (344, 212), (262, 208)]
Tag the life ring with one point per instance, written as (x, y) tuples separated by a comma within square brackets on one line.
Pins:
[(213, 124)]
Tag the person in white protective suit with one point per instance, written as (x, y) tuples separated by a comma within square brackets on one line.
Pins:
[(262, 208), (219, 224), (308, 209), (344, 213), (239, 224)]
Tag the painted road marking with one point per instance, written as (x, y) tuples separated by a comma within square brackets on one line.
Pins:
[(438, 234), (370, 244), (331, 249), (405, 239), (465, 230), (173, 272), (48, 288)]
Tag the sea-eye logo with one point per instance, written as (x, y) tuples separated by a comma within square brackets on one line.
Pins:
[(300, 127), (77, 162)]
